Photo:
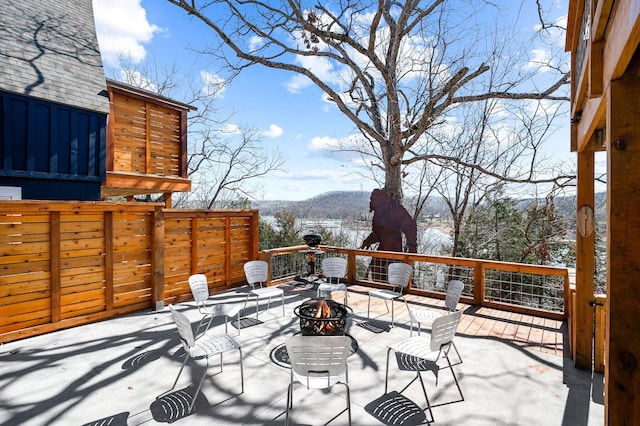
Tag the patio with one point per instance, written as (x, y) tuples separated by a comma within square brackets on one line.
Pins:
[(515, 372)]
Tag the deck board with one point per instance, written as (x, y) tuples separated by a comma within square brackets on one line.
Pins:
[(534, 333)]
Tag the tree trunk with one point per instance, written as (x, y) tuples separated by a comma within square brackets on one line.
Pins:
[(393, 178)]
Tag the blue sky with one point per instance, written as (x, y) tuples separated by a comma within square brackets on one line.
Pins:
[(290, 116)]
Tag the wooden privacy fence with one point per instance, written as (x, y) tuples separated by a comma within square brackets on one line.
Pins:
[(64, 264)]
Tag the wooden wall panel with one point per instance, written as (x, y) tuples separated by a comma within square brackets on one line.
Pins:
[(104, 262)]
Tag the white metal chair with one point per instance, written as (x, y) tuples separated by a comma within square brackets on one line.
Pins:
[(200, 292), (205, 346), (417, 351), (399, 275), (454, 291), (333, 268), (318, 362), (257, 273)]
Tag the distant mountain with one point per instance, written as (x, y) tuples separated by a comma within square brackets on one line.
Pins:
[(355, 205), (337, 205), (329, 205)]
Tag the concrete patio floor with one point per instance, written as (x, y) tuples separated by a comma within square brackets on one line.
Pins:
[(111, 373)]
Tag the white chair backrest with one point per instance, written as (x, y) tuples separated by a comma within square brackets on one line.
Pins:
[(454, 291), (256, 272), (318, 354), (184, 328), (399, 274), (199, 287), (443, 329), (334, 267)]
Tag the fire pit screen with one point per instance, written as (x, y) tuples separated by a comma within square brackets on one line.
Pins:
[(322, 317)]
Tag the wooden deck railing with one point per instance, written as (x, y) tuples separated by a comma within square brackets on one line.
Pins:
[(69, 263), (533, 289)]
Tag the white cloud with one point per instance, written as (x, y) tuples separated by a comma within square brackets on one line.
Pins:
[(255, 42), (230, 128), (122, 29), (273, 132), (540, 60), (319, 66), (323, 143), (213, 85)]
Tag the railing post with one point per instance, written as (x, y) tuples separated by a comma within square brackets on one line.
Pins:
[(267, 256), (351, 266), (478, 283)]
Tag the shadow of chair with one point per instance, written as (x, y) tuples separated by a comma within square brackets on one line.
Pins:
[(318, 362), (333, 268), (422, 353), (257, 273), (398, 274), (206, 346)]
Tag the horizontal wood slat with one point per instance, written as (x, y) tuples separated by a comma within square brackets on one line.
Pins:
[(88, 288)]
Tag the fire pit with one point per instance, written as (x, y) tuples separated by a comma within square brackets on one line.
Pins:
[(322, 317)]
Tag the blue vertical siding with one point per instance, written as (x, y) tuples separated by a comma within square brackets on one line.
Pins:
[(51, 148)]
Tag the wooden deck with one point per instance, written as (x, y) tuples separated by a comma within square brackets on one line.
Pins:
[(527, 331)]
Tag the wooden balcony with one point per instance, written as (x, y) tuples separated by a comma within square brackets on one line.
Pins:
[(146, 143)]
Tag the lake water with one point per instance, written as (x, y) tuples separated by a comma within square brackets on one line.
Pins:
[(431, 240)]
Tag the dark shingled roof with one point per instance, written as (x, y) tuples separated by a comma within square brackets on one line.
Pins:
[(49, 50)]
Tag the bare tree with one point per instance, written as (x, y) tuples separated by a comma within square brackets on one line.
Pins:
[(229, 171), (399, 68), (225, 161)]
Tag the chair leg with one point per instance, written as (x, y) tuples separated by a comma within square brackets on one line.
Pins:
[(346, 385), (289, 403), (368, 306), (179, 373), (419, 376), (195, 394), (283, 304), (386, 374), (457, 353), (257, 307), (392, 312), (241, 371), (455, 379), (424, 390)]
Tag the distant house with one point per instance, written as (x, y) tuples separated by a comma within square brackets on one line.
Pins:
[(56, 142)]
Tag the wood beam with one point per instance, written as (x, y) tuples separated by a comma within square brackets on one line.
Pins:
[(622, 372), (585, 270)]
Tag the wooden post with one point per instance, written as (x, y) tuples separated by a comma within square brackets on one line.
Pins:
[(157, 259), (585, 255), (478, 283), (108, 260), (622, 369), (351, 267), (56, 290), (254, 245), (227, 257), (194, 245)]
